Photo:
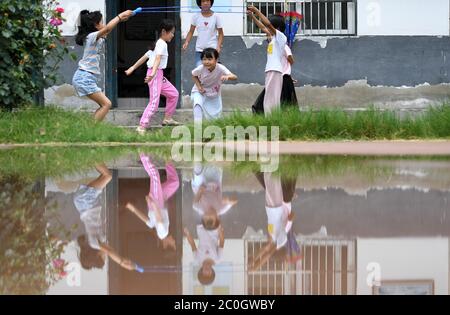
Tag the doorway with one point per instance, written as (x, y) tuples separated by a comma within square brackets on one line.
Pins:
[(130, 42)]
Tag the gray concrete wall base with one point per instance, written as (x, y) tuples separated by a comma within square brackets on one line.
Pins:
[(354, 94)]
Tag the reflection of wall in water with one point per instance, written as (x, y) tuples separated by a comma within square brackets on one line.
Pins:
[(405, 259), (327, 268)]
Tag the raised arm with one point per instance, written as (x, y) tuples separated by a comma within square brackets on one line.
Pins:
[(272, 30), (260, 25), (122, 17), (138, 63), (122, 261), (137, 212)]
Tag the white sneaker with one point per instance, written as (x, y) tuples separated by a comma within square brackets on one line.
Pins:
[(170, 122), (141, 130)]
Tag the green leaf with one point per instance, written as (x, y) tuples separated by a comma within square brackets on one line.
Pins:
[(6, 33)]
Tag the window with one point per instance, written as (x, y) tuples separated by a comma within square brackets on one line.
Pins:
[(320, 17), (328, 267)]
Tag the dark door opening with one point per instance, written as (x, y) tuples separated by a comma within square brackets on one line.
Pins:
[(132, 238), (134, 39)]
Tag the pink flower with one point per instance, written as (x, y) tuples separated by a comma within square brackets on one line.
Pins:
[(55, 22), (59, 10), (58, 263)]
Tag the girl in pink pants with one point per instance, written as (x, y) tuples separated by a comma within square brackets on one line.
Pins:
[(157, 213), (160, 192), (157, 83)]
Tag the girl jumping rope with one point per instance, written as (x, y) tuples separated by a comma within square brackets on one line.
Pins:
[(91, 34), (157, 83)]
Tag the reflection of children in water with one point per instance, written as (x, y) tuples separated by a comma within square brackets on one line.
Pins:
[(209, 203), (93, 247), (279, 194), (157, 213)]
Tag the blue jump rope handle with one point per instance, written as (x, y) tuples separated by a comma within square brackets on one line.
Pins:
[(139, 269), (138, 10)]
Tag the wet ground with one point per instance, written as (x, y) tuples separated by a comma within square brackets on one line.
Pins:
[(316, 225)]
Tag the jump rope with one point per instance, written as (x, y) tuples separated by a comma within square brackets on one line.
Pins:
[(188, 9)]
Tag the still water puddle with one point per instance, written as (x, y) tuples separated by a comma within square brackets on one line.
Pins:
[(139, 223)]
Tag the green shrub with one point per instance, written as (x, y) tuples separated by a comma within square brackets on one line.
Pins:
[(31, 48)]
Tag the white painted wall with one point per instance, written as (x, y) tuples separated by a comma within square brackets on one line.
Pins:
[(233, 19), (92, 282), (403, 17), (72, 11), (374, 17), (405, 259)]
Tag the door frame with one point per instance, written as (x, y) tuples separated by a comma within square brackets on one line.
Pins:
[(111, 79)]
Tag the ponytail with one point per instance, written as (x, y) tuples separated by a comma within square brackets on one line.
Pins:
[(87, 25)]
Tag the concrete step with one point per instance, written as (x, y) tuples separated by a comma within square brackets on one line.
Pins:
[(131, 117)]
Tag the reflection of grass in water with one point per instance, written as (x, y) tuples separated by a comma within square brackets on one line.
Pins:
[(291, 166), (39, 162), (33, 163)]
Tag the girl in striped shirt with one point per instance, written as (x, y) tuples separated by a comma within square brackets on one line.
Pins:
[(91, 34)]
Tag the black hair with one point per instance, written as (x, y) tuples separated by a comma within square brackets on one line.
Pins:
[(278, 22), (199, 3), (151, 45), (89, 257), (210, 225), (88, 22), (206, 280), (210, 53), (166, 25)]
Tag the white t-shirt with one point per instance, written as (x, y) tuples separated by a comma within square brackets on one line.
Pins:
[(162, 228), (287, 68), (207, 31), (210, 80), (277, 223), (160, 49), (151, 58), (208, 245), (276, 52)]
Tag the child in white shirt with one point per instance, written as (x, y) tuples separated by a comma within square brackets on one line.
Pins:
[(206, 93), (274, 29), (209, 28)]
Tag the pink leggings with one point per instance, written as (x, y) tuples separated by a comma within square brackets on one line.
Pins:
[(274, 86), (157, 87), (161, 192)]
